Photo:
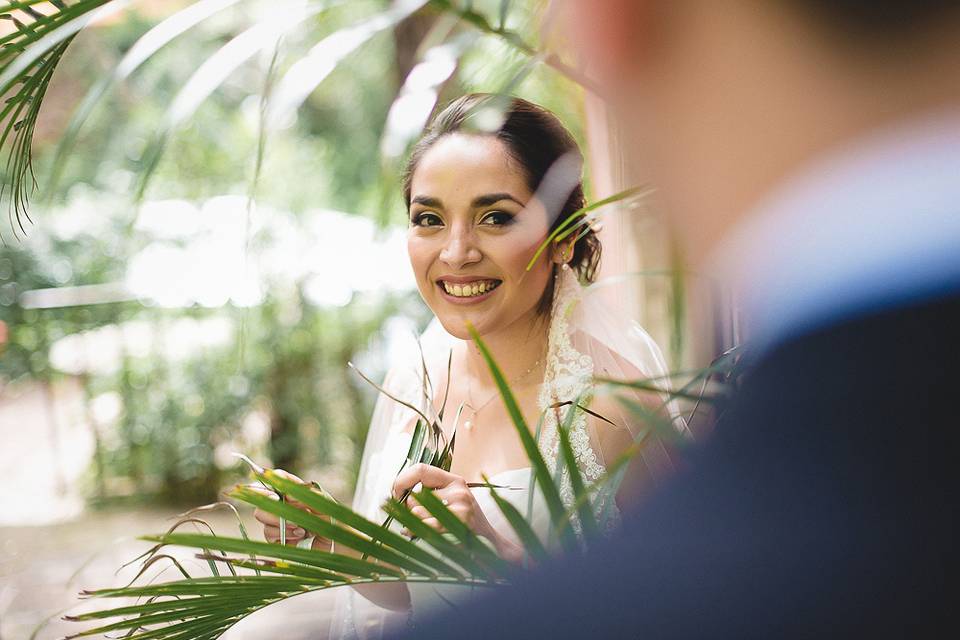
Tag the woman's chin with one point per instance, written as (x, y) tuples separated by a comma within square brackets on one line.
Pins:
[(458, 325)]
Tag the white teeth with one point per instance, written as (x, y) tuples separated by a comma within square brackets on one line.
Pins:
[(469, 290)]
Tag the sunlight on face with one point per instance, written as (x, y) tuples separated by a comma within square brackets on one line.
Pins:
[(474, 226)]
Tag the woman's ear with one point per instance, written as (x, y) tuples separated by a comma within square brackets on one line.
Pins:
[(561, 252)]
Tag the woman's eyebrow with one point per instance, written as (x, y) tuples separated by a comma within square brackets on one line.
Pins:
[(427, 201), (493, 198)]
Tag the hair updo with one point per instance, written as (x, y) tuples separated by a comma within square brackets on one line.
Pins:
[(536, 140)]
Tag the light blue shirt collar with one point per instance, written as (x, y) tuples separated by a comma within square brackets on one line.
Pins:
[(873, 226)]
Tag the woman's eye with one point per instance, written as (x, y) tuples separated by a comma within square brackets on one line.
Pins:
[(497, 218), (426, 219)]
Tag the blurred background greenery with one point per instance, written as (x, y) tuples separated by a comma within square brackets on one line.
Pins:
[(265, 303), (197, 266), (145, 337)]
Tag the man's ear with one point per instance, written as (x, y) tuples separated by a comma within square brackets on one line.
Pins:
[(609, 35)]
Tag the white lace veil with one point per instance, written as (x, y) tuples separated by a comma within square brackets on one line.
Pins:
[(586, 340)]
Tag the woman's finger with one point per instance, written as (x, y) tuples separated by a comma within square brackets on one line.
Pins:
[(272, 535), (286, 475), (272, 494), (266, 518), (411, 500), (420, 512), (271, 521), (431, 522), (262, 490), (451, 493), (448, 495), (425, 474), (302, 507)]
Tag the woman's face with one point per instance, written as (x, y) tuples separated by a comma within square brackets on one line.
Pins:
[(474, 226)]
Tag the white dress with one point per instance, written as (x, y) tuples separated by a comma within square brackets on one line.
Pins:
[(429, 598), (585, 340)]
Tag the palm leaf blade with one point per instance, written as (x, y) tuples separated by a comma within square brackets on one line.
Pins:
[(541, 471), (347, 516), (330, 531), (320, 559), (525, 533), (587, 517), (461, 531), (436, 540)]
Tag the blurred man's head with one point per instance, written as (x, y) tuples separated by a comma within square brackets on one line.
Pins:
[(725, 98)]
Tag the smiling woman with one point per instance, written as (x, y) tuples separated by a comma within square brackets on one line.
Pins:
[(481, 233), (487, 184), (522, 150), (489, 181)]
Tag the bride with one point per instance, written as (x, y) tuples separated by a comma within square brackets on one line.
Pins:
[(484, 187)]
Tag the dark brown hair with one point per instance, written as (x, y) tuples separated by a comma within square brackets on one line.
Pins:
[(536, 140), (880, 21)]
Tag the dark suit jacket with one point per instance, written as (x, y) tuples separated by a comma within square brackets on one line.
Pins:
[(823, 505)]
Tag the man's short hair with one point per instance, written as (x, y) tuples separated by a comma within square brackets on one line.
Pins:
[(873, 19)]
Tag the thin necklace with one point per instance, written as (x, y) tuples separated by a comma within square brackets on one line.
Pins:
[(468, 424)]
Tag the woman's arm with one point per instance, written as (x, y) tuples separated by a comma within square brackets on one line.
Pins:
[(614, 440)]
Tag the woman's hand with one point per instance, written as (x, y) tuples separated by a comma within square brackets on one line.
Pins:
[(395, 596), (271, 522), (458, 498)]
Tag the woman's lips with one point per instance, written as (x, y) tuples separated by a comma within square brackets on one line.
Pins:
[(467, 291)]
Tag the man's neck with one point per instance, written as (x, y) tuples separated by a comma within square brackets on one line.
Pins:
[(872, 225)]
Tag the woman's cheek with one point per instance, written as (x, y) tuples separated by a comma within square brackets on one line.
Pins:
[(418, 261)]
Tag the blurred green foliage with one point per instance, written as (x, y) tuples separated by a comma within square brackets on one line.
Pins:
[(286, 360)]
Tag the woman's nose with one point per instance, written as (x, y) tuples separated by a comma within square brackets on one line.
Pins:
[(459, 249)]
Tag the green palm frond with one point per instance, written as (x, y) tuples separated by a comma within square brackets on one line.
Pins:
[(261, 573), (213, 72), (587, 518), (467, 539), (541, 472), (580, 220), (725, 367), (416, 99), (480, 21), (247, 575), (321, 503), (531, 542), (428, 444), (30, 55), (28, 58), (142, 50)]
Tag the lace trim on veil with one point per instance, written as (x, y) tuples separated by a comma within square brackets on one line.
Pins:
[(569, 376)]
